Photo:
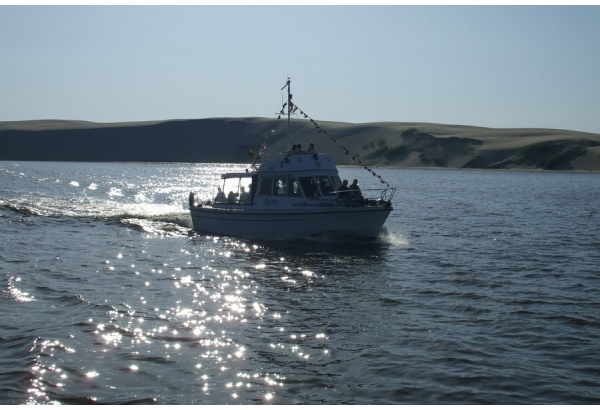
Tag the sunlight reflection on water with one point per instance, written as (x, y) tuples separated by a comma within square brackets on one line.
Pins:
[(207, 310)]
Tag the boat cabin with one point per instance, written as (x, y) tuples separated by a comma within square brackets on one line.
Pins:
[(295, 179)]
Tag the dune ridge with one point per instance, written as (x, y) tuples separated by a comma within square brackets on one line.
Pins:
[(389, 144)]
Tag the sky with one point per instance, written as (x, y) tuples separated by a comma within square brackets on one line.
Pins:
[(490, 66)]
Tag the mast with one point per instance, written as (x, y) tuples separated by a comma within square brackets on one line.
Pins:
[(289, 105)]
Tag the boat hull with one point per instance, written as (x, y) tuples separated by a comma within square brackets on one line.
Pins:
[(361, 222)]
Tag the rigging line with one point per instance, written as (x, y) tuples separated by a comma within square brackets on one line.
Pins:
[(264, 146), (355, 158)]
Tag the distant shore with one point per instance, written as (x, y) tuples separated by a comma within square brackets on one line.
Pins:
[(228, 140)]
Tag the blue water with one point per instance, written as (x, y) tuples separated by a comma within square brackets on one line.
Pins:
[(484, 288)]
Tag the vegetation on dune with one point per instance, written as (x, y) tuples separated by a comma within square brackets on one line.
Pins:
[(547, 155), (432, 150), (438, 151)]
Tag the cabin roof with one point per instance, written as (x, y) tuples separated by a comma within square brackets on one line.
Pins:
[(290, 163), (299, 162), (237, 175)]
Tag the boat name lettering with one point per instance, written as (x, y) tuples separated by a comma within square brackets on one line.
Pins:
[(271, 202)]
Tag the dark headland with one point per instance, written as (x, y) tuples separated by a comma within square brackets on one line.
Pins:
[(226, 140)]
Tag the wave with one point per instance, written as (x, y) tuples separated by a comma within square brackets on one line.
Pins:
[(17, 355), (88, 400), (22, 210), (70, 300)]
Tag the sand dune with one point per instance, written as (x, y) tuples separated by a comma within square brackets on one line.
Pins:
[(390, 144)]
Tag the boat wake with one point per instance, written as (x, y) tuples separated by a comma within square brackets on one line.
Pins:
[(174, 221), (393, 239), (160, 220), (330, 243), (22, 210), (157, 227), (384, 238)]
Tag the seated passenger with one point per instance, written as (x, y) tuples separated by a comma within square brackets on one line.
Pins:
[(343, 190), (297, 149), (220, 196), (244, 196), (355, 193), (231, 197), (355, 190), (325, 187)]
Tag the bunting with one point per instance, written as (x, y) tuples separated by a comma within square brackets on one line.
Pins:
[(256, 157), (293, 108), (355, 158)]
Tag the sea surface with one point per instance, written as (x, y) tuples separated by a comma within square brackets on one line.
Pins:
[(484, 288)]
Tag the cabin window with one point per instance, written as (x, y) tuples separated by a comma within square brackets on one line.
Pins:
[(230, 189), (309, 186), (294, 188), (236, 190), (280, 186), (337, 183), (265, 186), (245, 190), (325, 185)]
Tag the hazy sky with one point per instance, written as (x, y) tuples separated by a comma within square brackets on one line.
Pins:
[(491, 66)]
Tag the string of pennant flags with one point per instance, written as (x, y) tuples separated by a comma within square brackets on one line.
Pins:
[(256, 157), (293, 108), (355, 158)]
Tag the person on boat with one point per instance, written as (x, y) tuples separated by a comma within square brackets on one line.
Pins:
[(309, 187), (244, 196), (311, 148), (220, 196), (355, 189), (354, 193), (326, 188), (231, 197), (343, 190)]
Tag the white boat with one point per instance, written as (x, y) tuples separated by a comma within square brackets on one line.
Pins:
[(299, 194)]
